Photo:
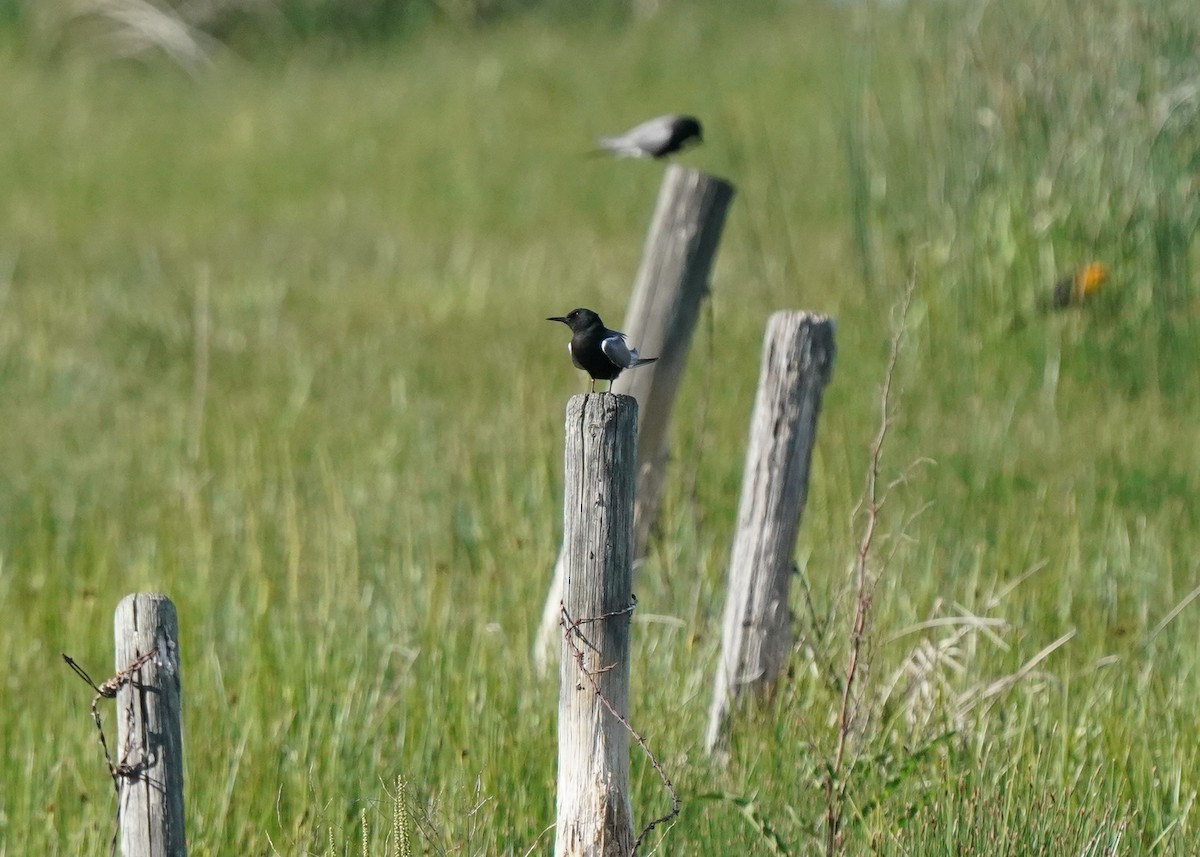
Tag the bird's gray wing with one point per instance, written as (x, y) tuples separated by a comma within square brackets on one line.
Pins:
[(617, 351), (654, 133), (642, 140)]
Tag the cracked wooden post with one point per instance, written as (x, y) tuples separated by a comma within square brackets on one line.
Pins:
[(595, 817), (149, 732), (671, 284), (797, 362)]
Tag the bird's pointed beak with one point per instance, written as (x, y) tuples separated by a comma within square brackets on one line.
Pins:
[(557, 318)]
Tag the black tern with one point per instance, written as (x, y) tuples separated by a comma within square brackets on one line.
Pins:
[(655, 138), (595, 349)]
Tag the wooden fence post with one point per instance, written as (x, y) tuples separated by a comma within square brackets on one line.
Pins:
[(670, 287), (671, 284), (595, 817), (797, 362), (149, 732)]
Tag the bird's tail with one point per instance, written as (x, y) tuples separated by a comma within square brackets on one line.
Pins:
[(642, 361), (616, 147)]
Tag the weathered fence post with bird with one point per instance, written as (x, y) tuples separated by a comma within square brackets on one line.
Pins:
[(670, 287), (594, 815)]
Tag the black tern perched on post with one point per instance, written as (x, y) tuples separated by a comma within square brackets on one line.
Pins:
[(655, 138), (595, 349)]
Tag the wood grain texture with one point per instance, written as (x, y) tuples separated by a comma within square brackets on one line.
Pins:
[(149, 729), (798, 356), (594, 812)]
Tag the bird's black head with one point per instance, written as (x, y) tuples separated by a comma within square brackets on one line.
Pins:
[(687, 129), (578, 319)]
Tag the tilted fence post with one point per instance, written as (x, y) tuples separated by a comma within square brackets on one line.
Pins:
[(595, 817), (149, 730), (797, 361), (670, 287)]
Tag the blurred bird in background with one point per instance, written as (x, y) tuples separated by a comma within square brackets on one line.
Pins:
[(655, 138), (1078, 288)]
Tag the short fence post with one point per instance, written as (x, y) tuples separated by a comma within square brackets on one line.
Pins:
[(594, 814), (670, 287), (797, 362), (149, 732)]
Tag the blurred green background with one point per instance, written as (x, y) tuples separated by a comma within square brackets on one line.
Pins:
[(272, 282)]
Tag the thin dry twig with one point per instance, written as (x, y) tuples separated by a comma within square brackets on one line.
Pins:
[(986, 695), (108, 690), (864, 582), (1175, 611), (571, 633)]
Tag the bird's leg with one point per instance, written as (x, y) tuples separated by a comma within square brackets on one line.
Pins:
[(593, 385)]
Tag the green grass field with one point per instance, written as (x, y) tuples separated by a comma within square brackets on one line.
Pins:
[(248, 358)]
